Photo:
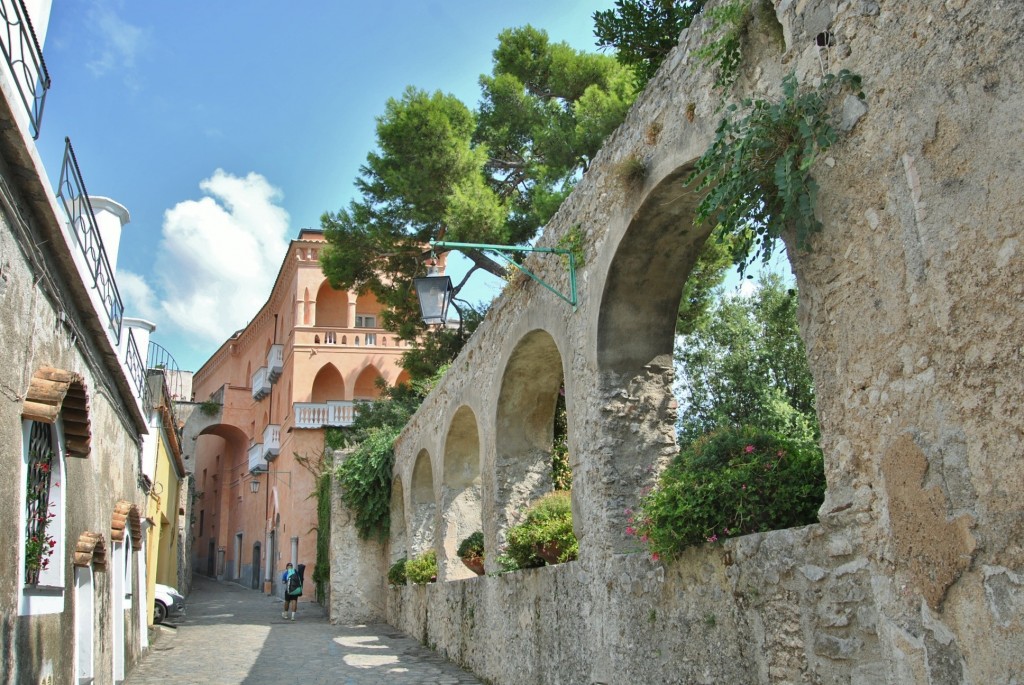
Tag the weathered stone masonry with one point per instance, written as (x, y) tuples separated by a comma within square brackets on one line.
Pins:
[(911, 310)]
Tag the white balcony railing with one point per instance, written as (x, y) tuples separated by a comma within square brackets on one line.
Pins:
[(275, 362), (320, 414), (271, 441), (260, 383), (257, 462)]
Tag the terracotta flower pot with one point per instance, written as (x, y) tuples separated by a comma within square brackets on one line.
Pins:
[(549, 552), (474, 564)]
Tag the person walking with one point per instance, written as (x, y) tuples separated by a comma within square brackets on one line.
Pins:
[(292, 580)]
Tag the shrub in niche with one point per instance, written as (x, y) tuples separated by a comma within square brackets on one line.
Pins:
[(422, 569), (545, 531), (733, 481)]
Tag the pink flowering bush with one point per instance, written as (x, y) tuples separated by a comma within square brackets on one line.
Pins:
[(731, 482)]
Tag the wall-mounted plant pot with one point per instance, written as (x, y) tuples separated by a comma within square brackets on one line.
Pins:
[(549, 552), (474, 564)]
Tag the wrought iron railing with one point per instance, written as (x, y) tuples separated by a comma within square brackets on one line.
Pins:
[(82, 220), (159, 360), (38, 543), (25, 58), (136, 370)]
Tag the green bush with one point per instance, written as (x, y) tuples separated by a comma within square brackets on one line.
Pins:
[(365, 481), (472, 546), (730, 482), (422, 569), (396, 574), (548, 522)]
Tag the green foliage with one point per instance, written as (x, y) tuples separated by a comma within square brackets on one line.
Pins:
[(422, 569), (643, 32), (701, 289), (729, 22), (442, 171), (744, 363), (561, 471), (322, 570), (209, 407), (758, 169), (574, 242), (472, 546), (732, 482), (365, 481), (396, 574), (548, 522), (631, 171)]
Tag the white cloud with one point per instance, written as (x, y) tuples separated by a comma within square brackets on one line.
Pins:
[(218, 256), (139, 299), (118, 41)]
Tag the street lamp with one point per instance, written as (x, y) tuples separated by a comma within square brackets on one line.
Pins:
[(254, 485), (435, 291)]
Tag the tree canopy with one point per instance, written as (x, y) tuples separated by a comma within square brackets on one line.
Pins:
[(744, 364), (442, 171), (643, 32)]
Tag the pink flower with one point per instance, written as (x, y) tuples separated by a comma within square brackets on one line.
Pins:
[(630, 530), (643, 538), (629, 512), (744, 486), (655, 556), (713, 538), (748, 449)]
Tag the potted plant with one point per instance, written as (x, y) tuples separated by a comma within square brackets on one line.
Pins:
[(545, 536), (422, 569), (471, 551)]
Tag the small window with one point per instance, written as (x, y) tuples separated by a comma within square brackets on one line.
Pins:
[(371, 338), (42, 546), (42, 534), (366, 321)]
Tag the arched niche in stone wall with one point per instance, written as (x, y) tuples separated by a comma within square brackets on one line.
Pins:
[(524, 428), (422, 506), (398, 542), (460, 492), (647, 270)]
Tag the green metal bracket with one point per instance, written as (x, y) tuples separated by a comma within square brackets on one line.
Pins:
[(501, 249)]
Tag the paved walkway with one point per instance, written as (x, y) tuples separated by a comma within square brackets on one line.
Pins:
[(230, 635)]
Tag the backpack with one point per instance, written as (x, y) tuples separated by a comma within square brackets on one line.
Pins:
[(295, 584)]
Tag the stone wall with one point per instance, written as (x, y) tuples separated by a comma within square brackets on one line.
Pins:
[(911, 311)]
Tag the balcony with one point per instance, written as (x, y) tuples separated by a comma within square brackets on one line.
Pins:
[(320, 414), (271, 442), (91, 254), (275, 362), (260, 383), (257, 462)]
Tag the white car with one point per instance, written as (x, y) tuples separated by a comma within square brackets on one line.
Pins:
[(166, 602)]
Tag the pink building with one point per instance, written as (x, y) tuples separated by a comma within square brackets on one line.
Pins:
[(303, 363)]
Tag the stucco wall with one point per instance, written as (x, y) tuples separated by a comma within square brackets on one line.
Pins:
[(911, 311), (33, 334)]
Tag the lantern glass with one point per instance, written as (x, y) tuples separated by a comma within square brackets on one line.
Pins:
[(434, 292)]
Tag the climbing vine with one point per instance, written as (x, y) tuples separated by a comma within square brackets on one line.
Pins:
[(758, 169), (322, 571), (365, 481)]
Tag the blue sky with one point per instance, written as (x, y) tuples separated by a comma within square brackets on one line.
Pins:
[(226, 126)]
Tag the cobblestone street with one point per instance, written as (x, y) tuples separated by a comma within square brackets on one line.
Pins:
[(231, 635)]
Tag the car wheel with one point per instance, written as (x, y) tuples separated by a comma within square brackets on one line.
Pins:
[(159, 612)]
